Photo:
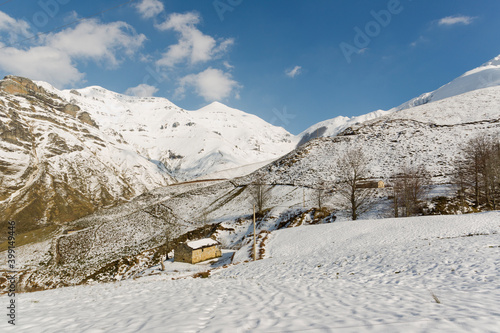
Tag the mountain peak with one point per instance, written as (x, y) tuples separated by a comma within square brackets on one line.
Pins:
[(485, 76), (216, 106), (216, 103)]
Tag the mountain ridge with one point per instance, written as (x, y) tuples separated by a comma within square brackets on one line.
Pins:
[(189, 143), (485, 76)]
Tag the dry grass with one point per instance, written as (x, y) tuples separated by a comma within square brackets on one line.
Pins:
[(436, 299), (262, 248), (29, 237), (202, 275)]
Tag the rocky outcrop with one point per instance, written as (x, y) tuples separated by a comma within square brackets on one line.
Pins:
[(71, 109), (84, 117), (17, 85)]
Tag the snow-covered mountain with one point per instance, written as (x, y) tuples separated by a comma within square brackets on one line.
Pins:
[(484, 76), (57, 164), (429, 135), (102, 247), (66, 153), (332, 127), (189, 144)]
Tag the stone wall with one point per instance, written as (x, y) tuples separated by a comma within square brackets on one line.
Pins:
[(184, 253), (206, 254)]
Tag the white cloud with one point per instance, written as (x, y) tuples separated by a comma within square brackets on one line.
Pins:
[(41, 63), (96, 41), (452, 20), (13, 28), (193, 45), (149, 8), (179, 21), (54, 57), (211, 84), (228, 65), (142, 90), (293, 72)]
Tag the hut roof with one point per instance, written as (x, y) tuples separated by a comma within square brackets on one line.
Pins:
[(198, 244)]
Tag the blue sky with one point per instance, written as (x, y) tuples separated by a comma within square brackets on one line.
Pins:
[(293, 63)]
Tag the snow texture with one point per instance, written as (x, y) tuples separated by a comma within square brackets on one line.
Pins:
[(198, 244), (425, 274)]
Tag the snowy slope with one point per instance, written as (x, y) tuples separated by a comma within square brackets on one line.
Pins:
[(484, 76), (332, 127), (363, 276), (189, 143), (429, 134), (56, 165)]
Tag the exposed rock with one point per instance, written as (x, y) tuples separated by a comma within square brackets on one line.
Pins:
[(84, 117), (14, 131), (71, 109), (17, 85)]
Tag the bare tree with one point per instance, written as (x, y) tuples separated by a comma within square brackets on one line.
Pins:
[(409, 189), (475, 153), (396, 190), (169, 231), (477, 171), (492, 173), (459, 180), (352, 171), (320, 191), (165, 247), (261, 193)]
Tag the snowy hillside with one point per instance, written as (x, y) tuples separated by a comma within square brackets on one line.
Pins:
[(426, 274), (189, 143), (67, 153), (429, 134), (485, 76), (57, 165)]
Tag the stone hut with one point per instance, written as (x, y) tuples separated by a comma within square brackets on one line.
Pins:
[(197, 251), (372, 184)]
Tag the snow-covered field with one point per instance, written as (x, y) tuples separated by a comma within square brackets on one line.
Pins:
[(425, 274)]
